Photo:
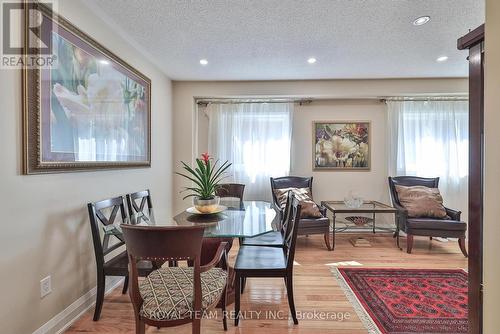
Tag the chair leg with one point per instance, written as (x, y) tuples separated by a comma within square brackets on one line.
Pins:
[(461, 243), (140, 327), (224, 313), (101, 282), (237, 293), (409, 243), (243, 284), (327, 241), (196, 326), (289, 292), (125, 285)]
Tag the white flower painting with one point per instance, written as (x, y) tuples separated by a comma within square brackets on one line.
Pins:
[(341, 145), (98, 111)]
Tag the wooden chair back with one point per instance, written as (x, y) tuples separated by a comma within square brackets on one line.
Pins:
[(293, 226), (163, 243), (285, 230), (98, 220), (290, 182), (233, 190), (136, 202)]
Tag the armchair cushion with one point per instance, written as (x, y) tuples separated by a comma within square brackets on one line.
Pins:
[(421, 201), (435, 224), (168, 292), (309, 208)]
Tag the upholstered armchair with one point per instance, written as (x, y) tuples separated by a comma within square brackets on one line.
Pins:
[(307, 226), (449, 227)]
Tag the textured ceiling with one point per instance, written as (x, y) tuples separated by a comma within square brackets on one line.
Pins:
[(272, 39)]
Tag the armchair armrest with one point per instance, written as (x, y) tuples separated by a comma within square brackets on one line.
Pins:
[(401, 216), (453, 214), (219, 255), (322, 209), (401, 210)]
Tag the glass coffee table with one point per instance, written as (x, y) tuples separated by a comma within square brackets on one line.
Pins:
[(368, 207)]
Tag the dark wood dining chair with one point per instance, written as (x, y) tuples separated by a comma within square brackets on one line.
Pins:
[(172, 296), (136, 203), (259, 261), (307, 226), (231, 190), (118, 264), (275, 238)]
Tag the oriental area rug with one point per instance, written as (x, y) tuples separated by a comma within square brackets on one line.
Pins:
[(397, 301)]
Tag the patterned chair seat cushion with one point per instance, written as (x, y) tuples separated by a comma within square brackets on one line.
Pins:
[(168, 292)]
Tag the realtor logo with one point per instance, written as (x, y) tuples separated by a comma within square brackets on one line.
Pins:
[(27, 39)]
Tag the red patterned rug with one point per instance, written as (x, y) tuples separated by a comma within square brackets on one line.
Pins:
[(401, 301)]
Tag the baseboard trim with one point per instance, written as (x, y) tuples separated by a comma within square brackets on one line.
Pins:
[(63, 320)]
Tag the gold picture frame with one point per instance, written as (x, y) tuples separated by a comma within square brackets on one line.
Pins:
[(341, 145), (121, 122)]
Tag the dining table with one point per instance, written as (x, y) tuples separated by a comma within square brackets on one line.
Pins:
[(244, 219)]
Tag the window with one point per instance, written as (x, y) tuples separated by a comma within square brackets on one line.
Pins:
[(255, 138), (431, 139)]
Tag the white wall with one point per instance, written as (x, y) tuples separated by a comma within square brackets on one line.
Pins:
[(491, 246), (44, 223), (327, 184)]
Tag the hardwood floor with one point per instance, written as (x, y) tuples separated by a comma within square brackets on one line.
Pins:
[(315, 289)]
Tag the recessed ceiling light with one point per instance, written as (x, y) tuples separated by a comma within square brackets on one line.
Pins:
[(203, 62), (442, 58), (311, 60), (104, 62), (419, 21)]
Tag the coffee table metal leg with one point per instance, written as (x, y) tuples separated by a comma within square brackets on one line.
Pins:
[(373, 217), (333, 232)]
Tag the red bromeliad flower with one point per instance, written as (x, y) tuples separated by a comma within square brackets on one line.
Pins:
[(205, 157), (205, 176)]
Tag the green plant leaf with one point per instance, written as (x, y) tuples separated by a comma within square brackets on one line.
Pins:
[(190, 178), (221, 170)]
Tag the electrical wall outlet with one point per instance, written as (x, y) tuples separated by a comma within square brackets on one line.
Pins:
[(45, 286)]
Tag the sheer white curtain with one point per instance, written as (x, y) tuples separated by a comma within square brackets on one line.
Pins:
[(429, 139), (256, 138)]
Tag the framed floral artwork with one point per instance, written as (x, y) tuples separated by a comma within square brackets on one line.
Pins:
[(341, 145), (89, 110)]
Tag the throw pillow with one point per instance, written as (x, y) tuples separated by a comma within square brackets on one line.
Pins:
[(421, 201), (309, 208)]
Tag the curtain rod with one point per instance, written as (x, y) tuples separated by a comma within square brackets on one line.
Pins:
[(206, 102), (301, 101), (422, 98)]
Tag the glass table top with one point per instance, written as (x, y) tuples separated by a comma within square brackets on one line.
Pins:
[(367, 207), (254, 218)]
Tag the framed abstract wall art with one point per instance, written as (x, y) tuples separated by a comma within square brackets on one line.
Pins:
[(341, 145), (89, 110)]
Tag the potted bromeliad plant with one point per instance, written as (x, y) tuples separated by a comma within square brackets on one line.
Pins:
[(205, 176)]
